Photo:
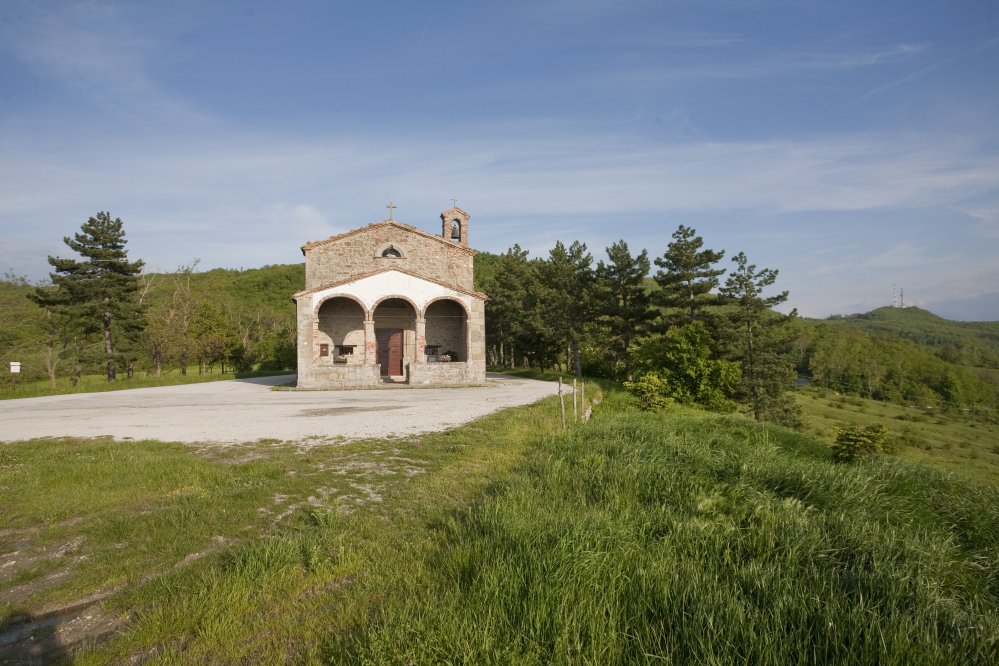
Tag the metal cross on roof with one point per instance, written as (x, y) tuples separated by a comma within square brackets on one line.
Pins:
[(390, 207), (455, 201)]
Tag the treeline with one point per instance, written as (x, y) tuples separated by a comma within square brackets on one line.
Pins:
[(967, 343), (676, 340), (885, 366), (106, 314), (684, 335)]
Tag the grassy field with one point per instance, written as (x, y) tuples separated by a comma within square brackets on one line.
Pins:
[(684, 537), (960, 444), (99, 383)]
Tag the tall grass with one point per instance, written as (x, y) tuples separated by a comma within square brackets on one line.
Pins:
[(693, 538)]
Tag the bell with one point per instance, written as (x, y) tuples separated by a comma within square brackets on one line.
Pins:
[(455, 231)]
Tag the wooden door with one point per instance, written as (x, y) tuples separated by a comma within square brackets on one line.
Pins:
[(389, 350)]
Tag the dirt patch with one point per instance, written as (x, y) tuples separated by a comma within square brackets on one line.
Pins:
[(339, 411), (49, 637)]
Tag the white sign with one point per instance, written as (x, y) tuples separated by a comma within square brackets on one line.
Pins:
[(15, 366)]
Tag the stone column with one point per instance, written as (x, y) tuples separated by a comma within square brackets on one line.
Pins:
[(370, 342), (315, 339), (421, 340)]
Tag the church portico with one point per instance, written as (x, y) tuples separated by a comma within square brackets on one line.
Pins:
[(412, 313)]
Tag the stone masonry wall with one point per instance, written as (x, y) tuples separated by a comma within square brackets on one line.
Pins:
[(354, 253), (342, 376), (446, 374)]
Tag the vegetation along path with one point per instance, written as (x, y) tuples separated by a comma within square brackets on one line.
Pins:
[(248, 410)]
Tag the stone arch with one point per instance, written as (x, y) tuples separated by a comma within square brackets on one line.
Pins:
[(394, 318), (423, 313), (339, 329), (374, 306), (367, 312), (403, 254), (447, 327)]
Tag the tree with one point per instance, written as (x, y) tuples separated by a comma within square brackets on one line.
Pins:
[(834, 355), (212, 335), (567, 280), (682, 359), (100, 292), (688, 276), (506, 305), (759, 333), (625, 303)]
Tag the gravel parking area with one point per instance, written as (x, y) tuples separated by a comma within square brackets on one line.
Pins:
[(246, 410)]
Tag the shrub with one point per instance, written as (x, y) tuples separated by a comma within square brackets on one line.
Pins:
[(856, 442), (682, 358), (652, 392)]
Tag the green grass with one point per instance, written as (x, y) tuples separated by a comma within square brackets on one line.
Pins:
[(960, 444), (694, 538), (99, 383), (297, 537), (683, 537)]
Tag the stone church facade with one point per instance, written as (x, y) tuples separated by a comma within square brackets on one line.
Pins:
[(391, 303)]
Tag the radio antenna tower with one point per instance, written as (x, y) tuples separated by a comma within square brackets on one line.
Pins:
[(902, 294), (894, 297)]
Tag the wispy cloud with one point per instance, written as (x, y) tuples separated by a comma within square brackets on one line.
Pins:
[(925, 70), (95, 48)]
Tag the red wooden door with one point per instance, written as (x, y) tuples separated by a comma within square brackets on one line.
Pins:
[(389, 350)]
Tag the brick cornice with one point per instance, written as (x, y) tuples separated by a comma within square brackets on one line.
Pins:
[(399, 225)]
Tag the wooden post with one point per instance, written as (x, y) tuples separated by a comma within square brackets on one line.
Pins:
[(561, 401), (582, 397), (575, 416)]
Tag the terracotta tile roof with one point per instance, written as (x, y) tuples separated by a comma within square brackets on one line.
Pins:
[(405, 227), (361, 276)]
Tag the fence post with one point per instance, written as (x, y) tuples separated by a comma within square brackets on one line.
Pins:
[(575, 417), (561, 401)]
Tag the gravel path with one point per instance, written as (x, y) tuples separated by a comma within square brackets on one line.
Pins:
[(245, 410)]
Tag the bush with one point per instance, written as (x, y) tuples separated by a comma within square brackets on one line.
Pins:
[(856, 442), (651, 390), (682, 359)]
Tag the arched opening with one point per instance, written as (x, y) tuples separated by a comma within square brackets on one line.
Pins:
[(447, 331), (391, 252), (456, 230), (341, 331), (395, 335)]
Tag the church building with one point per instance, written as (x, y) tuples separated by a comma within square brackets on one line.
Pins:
[(390, 303)]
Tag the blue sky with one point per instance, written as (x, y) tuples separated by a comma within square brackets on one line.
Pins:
[(851, 145)]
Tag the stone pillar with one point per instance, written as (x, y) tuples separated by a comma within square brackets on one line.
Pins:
[(421, 340), (370, 342), (315, 339)]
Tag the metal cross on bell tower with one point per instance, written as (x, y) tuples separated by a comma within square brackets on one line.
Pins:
[(390, 207)]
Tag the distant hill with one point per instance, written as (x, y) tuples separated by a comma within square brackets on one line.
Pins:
[(266, 290), (925, 328)]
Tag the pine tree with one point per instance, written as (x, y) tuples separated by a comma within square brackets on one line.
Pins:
[(688, 276), (505, 308), (757, 336), (100, 293), (568, 280), (625, 303)]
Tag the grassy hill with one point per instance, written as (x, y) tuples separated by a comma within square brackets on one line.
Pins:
[(967, 445), (683, 537), (923, 327)]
